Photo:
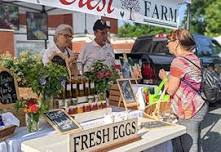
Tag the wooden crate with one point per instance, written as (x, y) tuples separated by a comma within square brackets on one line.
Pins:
[(115, 97), (26, 93)]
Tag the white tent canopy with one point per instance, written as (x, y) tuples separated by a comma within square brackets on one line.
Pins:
[(162, 13)]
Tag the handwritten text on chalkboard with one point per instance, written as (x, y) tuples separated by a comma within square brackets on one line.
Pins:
[(61, 120), (7, 88)]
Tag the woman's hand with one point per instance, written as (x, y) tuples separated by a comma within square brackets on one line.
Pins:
[(162, 74)]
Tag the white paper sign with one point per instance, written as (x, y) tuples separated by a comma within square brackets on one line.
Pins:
[(95, 138), (155, 12)]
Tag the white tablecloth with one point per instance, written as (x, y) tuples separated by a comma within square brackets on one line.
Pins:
[(3, 146), (13, 144)]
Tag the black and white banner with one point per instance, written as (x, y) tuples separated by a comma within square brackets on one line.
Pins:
[(162, 13)]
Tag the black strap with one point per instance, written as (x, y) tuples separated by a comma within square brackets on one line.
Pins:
[(191, 62), (197, 91)]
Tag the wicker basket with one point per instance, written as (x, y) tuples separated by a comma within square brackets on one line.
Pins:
[(7, 132), (158, 110), (11, 108), (165, 107)]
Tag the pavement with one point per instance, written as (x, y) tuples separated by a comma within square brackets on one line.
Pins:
[(211, 130)]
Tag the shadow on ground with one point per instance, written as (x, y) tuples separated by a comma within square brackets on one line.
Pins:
[(211, 130)]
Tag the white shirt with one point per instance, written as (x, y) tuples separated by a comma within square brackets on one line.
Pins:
[(93, 52), (53, 50)]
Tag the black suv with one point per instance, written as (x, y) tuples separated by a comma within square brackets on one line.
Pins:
[(155, 49)]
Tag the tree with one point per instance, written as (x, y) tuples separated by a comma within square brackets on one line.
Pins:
[(131, 5), (213, 19), (136, 29), (205, 15)]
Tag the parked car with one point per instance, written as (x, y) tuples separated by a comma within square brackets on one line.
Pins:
[(207, 49), (154, 48)]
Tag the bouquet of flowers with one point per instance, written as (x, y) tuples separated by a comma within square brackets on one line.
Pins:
[(102, 75), (34, 109)]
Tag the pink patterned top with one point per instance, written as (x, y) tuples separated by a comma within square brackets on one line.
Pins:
[(186, 102)]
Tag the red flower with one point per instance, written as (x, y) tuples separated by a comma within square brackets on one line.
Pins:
[(31, 102), (34, 108), (108, 74), (100, 75)]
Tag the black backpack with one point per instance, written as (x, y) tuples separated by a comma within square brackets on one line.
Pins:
[(210, 84)]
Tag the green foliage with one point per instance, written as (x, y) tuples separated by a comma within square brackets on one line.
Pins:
[(46, 80), (30, 72), (20, 66), (213, 18), (205, 17), (102, 75), (135, 30)]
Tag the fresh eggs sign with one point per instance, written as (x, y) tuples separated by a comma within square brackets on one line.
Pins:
[(156, 12), (97, 138)]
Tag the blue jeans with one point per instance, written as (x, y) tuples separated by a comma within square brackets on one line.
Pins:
[(190, 142)]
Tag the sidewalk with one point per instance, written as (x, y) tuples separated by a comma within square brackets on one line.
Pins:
[(211, 130)]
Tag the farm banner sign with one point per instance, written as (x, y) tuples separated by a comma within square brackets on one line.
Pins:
[(101, 137), (162, 13)]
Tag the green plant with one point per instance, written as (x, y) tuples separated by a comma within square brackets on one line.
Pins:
[(21, 65), (47, 80), (103, 76)]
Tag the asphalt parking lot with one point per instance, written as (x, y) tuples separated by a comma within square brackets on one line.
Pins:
[(211, 130)]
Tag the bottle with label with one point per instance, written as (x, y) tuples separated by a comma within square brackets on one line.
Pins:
[(91, 91), (80, 85), (126, 68), (74, 93), (82, 98), (86, 86), (92, 88)]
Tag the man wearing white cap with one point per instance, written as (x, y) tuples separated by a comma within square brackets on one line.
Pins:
[(62, 41), (98, 49)]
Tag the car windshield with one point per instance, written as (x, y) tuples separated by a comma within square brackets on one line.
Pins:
[(207, 47)]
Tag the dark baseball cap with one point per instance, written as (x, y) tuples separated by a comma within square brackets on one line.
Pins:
[(100, 25)]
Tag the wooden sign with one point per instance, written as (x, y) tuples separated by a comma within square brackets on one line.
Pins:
[(8, 87), (61, 121), (127, 95), (60, 59), (101, 137)]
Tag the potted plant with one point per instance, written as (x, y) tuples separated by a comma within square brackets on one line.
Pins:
[(103, 77)]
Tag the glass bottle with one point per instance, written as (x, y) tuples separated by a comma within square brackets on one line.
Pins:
[(92, 88), (80, 86), (86, 86), (74, 92)]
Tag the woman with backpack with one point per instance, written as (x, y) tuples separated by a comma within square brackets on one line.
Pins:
[(183, 85)]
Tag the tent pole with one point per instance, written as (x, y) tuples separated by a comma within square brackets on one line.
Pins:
[(46, 44), (188, 16)]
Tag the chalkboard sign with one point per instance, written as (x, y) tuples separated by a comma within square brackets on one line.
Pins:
[(126, 90), (8, 87), (59, 60), (61, 121)]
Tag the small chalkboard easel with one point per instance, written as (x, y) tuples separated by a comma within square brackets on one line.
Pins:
[(61, 121), (127, 96)]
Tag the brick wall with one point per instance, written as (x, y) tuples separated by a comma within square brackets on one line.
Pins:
[(7, 42)]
